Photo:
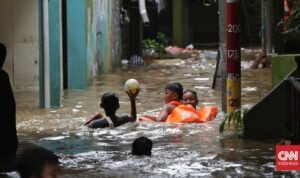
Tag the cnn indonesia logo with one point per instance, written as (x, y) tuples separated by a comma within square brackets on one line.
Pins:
[(287, 157)]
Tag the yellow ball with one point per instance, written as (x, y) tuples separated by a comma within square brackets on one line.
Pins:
[(132, 86)]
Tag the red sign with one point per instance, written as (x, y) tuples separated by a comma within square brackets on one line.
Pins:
[(233, 38), (287, 157), (233, 84)]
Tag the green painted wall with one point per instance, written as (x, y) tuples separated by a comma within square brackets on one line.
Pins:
[(93, 43), (54, 52), (282, 65), (76, 44), (103, 34), (94, 39)]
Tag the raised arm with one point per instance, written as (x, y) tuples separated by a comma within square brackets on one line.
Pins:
[(132, 97)]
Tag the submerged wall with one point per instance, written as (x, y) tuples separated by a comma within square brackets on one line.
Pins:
[(277, 114), (103, 35), (19, 32), (282, 65)]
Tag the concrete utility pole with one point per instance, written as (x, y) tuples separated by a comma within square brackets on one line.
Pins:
[(263, 25), (221, 71), (233, 86), (269, 24)]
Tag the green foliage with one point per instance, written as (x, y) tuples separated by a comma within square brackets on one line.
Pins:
[(151, 47), (155, 47), (162, 39), (235, 120)]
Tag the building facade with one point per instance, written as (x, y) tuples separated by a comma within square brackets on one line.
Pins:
[(54, 45)]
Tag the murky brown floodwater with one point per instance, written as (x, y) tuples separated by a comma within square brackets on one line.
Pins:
[(181, 150)]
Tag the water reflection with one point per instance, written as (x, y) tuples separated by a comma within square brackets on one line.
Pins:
[(179, 150)]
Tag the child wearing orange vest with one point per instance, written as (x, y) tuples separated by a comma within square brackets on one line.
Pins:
[(173, 96), (186, 112), (190, 97)]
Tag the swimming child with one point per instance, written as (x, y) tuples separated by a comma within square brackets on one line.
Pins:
[(110, 104), (173, 96), (142, 146), (37, 161), (185, 112), (261, 58), (190, 97)]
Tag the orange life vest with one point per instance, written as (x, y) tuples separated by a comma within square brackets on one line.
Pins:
[(188, 114), (183, 113), (207, 113)]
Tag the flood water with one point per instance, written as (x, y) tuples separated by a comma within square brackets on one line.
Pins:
[(179, 150)]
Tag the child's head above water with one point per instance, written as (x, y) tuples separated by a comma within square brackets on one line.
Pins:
[(37, 161), (173, 92), (190, 97), (142, 146), (110, 103)]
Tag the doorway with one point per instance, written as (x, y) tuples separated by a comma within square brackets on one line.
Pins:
[(65, 44)]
